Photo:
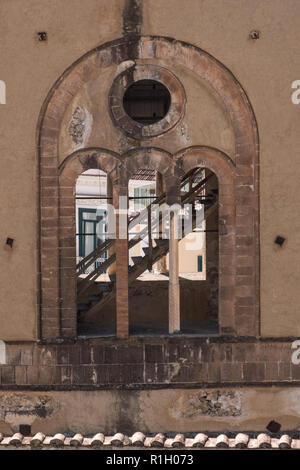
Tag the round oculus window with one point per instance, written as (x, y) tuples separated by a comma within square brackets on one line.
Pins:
[(147, 101)]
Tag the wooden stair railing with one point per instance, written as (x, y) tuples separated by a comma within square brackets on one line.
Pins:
[(84, 283), (137, 219), (141, 264)]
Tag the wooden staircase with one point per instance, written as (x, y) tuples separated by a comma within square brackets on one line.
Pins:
[(95, 301)]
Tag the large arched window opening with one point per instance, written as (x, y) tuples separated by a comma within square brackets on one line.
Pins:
[(198, 253), (95, 266), (237, 174), (148, 285)]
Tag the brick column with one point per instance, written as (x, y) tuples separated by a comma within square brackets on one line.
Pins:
[(67, 253), (121, 249), (173, 197), (49, 253), (160, 189)]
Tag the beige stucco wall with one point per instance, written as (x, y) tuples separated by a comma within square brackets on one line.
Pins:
[(29, 69), (265, 68)]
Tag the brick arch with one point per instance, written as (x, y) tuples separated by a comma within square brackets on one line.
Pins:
[(224, 169), (237, 105), (152, 157), (214, 159), (69, 170), (159, 160), (85, 159)]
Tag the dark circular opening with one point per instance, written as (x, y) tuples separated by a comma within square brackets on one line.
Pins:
[(147, 101)]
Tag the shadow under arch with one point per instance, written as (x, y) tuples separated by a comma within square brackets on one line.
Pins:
[(89, 158), (152, 157)]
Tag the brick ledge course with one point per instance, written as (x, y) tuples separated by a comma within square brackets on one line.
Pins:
[(149, 363)]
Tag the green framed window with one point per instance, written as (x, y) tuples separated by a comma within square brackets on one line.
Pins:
[(91, 230)]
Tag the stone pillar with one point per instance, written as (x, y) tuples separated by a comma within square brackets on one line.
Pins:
[(121, 250), (109, 194)]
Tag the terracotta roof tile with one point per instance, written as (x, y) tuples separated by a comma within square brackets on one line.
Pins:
[(37, 439), (138, 439), (77, 440), (158, 440), (98, 439), (241, 440), (178, 441), (6, 441), (264, 441), (87, 441), (16, 439), (200, 440), (118, 440), (57, 440), (222, 441), (285, 442)]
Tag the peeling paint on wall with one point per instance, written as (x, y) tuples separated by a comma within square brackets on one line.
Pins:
[(80, 126), (16, 409), (183, 132), (215, 403)]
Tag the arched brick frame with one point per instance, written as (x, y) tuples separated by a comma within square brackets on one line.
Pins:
[(223, 167), (244, 126), (64, 258), (159, 160), (148, 157)]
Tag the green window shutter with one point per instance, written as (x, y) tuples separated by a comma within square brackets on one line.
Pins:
[(200, 267)]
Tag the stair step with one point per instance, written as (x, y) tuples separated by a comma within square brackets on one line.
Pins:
[(131, 268), (82, 306), (94, 297), (137, 259), (105, 287), (161, 241)]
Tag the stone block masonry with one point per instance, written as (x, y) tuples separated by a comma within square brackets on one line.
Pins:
[(141, 363)]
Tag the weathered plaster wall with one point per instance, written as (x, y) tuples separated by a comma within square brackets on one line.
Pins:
[(265, 68), (153, 411), (204, 120)]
